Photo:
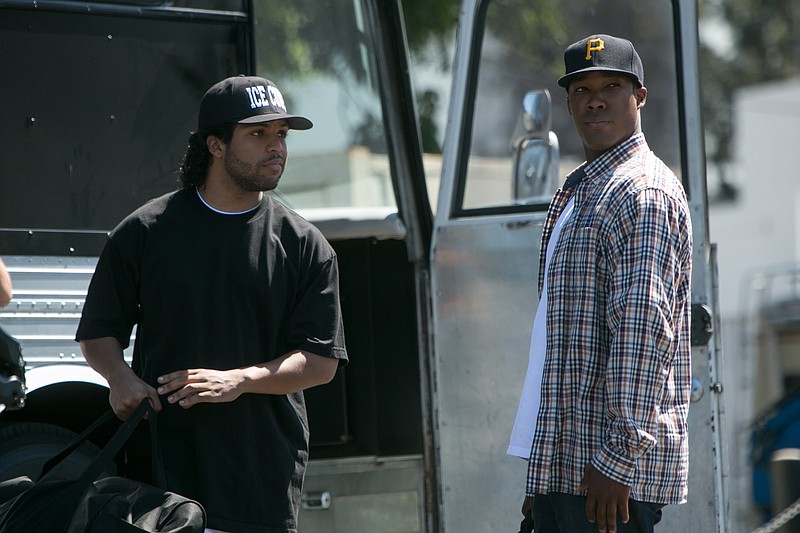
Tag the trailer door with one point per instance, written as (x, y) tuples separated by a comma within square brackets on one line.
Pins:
[(494, 192)]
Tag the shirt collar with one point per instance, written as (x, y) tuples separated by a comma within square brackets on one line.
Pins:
[(574, 178), (616, 155)]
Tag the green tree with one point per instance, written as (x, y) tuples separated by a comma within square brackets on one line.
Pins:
[(765, 46)]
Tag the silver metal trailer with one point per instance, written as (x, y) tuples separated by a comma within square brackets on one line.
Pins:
[(438, 249)]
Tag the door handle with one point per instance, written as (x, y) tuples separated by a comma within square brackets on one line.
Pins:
[(316, 501)]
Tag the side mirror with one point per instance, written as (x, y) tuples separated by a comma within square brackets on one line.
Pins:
[(536, 153), (536, 108)]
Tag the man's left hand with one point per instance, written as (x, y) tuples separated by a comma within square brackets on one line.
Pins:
[(200, 385), (604, 498)]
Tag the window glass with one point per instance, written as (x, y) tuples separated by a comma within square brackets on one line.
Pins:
[(522, 51), (220, 5), (319, 55)]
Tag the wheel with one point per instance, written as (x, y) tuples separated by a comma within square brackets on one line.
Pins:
[(26, 446)]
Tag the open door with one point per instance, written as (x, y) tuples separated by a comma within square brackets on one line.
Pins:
[(484, 254)]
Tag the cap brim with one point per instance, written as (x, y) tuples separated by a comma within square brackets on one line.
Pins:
[(564, 80), (296, 122)]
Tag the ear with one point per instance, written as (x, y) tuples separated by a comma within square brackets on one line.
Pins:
[(215, 146), (569, 109), (641, 96)]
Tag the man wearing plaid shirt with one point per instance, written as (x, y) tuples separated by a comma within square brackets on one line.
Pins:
[(610, 445)]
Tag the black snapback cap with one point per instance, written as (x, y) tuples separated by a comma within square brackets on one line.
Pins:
[(602, 52), (245, 100)]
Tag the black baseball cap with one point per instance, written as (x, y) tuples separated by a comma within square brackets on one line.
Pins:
[(245, 100), (602, 52)]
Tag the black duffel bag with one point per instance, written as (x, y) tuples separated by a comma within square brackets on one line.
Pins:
[(97, 504)]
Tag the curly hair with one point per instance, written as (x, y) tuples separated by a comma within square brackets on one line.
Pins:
[(197, 159)]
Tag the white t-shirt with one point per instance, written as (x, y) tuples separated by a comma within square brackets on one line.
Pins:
[(525, 423)]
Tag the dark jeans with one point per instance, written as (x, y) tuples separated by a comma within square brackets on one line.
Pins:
[(564, 513)]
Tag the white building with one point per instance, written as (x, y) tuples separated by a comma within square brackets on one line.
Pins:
[(758, 239)]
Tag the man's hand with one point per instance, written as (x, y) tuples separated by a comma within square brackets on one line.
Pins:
[(295, 371), (527, 505), (603, 499), (526, 526), (200, 385), (126, 389), (126, 392)]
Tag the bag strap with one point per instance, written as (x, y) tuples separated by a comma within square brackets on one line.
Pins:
[(76, 441), (111, 449), (106, 455), (116, 443), (159, 473)]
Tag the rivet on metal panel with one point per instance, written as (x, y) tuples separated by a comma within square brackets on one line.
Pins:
[(697, 390)]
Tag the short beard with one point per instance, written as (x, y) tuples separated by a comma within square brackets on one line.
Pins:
[(246, 177)]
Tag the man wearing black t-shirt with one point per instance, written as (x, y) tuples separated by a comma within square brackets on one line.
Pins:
[(235, 300)]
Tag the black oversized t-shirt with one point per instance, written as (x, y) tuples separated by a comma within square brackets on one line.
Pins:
[(209, 290)]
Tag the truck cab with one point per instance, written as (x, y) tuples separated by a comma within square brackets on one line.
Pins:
[(437, 234)]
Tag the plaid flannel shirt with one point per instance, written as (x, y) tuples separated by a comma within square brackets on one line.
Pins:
[(617, 371)]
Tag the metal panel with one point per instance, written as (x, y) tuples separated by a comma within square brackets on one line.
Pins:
[(43, 315), (479, 283), (127, 127), (363, 494), (484, 302), (707, 508)]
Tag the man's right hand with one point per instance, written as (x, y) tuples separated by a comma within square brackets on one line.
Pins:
[(127, 391)]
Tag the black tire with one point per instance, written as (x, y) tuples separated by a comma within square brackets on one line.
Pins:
[(26, 446)]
